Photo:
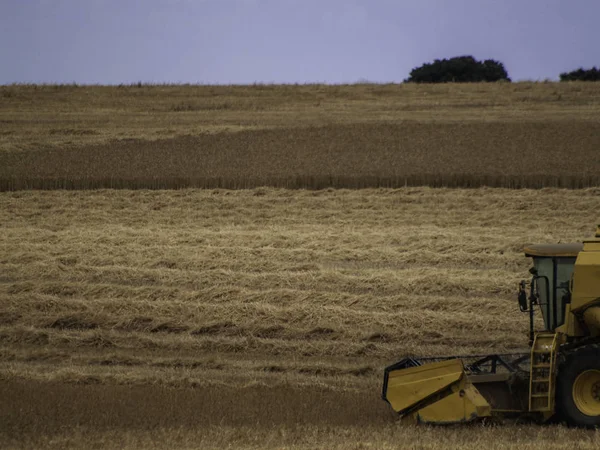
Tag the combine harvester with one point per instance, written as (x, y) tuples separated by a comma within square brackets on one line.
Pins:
[(558, 378)]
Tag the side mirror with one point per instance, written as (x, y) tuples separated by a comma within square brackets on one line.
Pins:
[(522, 297)]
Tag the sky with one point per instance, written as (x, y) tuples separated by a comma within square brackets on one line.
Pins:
[(287, 41)]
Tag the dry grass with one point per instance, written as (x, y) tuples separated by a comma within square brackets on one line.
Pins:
[(359, 437), (319, 437), (51, 415), (262, 307), (314, 136)]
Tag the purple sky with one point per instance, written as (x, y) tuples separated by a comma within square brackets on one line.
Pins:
[(287, 41)]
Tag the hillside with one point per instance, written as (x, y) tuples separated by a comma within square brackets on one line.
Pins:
[(305, 136)]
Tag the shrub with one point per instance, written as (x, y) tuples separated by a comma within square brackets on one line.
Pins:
[(581, 74), (460, 69)]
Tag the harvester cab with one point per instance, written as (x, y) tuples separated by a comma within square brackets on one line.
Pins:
[(550, 285), (558, 377)]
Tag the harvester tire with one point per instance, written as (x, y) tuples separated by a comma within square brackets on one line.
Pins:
[(578, 387)]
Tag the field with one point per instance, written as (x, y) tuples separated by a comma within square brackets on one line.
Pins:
[(313, 136), (213, 311), (146, 317)]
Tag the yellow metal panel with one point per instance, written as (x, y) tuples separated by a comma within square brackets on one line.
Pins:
[(591, 317), (586, 279), (463, 405), (571, 327), (407, 387), (591, 246)]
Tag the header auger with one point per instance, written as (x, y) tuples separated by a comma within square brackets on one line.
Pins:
[(558, 378)]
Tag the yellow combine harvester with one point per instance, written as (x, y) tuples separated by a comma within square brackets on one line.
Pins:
[(558, 378)]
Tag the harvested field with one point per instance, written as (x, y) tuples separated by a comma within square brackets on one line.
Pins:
[(259, 318), (162, 137), (100, 416)]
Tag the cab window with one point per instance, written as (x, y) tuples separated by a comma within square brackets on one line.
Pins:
[(554, 295)]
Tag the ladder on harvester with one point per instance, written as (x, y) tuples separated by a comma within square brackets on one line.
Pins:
[(543, 373)]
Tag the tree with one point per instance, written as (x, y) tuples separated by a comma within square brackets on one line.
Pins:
[(460, 69), (581, 74)]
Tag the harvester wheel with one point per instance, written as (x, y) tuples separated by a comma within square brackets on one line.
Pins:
[(578, 387)]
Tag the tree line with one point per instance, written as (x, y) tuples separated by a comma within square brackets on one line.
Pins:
[(467, 69)]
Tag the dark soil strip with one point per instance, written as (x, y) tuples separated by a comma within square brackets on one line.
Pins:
[(32, 407)]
